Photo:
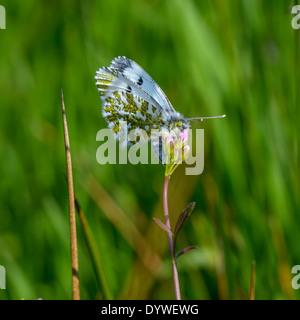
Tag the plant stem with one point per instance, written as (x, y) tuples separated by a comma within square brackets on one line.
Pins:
[(252, 282), (297, 93), (170, 240), (73, 237)]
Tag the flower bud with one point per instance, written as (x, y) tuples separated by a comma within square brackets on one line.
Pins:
[(186, 152)]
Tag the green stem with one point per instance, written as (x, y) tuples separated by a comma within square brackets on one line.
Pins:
[(170, 240)]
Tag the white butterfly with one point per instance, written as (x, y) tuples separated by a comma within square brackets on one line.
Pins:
[(129, 94)]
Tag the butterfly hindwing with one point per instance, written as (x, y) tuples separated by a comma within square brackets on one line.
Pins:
[(123, 102)]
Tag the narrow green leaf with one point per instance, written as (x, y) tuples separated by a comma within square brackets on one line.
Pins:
[(94, 254), (184, 216), (182, 219), (185, 250), (163, 226)]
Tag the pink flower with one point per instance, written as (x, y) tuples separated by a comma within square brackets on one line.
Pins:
[(176, 148), (185, 135)]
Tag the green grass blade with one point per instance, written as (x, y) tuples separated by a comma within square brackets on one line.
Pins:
[(94, 254)]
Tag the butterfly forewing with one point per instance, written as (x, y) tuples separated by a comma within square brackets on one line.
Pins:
[(135, 73)]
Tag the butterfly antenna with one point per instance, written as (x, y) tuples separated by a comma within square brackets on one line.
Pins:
[(204, 118)]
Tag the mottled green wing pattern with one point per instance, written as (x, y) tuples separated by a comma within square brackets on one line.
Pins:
[(124, 101)]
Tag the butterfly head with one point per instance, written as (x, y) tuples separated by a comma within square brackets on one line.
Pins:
[(176, 120)]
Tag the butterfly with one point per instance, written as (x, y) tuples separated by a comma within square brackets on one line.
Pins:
[(130, 95)]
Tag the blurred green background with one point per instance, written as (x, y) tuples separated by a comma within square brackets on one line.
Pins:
[(233, 57)]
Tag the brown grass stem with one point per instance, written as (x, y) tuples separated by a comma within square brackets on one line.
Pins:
[(72, 218), (252, 282)]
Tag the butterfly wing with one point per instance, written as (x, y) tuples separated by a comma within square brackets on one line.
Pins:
[(135, 73), (124, 101), (129, 94)]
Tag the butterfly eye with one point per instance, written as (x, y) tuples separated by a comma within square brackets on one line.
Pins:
[(179, 123)]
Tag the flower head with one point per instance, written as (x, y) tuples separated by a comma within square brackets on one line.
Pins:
[(175, 149)]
